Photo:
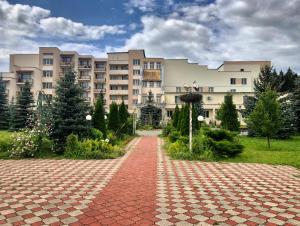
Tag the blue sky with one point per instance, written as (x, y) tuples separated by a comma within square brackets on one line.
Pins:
[(204, 31)]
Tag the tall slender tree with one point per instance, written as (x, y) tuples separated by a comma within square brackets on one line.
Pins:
[(98, 116), (113, 118), (69, 110), (184, 120), (123, 117), (296, 100), (4, 111), (176, 116), (229, 115), (24, 107)]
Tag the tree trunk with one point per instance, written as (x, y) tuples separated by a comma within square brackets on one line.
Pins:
[(268, 142)]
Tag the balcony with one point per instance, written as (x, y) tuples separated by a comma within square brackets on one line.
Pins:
[(86, 88), (84, 78), (67, 64), (151, 75), (100, 90), (99, 80), (119, 82), (21, 81), (100, 69), (118, 92), (84, 67), (118, 72)]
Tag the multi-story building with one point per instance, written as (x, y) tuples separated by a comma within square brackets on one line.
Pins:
[(131, 76)]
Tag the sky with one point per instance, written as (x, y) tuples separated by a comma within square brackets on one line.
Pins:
[(207, 32)]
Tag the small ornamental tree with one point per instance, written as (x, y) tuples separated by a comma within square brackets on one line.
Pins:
[(113, 117), (98, 116), (69, 111), (24, 107), (176, 116), (123, 117), (4, 111), (228, 115), (265, 119)]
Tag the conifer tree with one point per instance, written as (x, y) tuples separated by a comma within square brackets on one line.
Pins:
[(296, 100), (176, 116), (113, 118), (228, 115), (289, 81), (123, 117), (98, 116), (69, 110), (184, 121), (267, 79), (4, 111), (24, 107)]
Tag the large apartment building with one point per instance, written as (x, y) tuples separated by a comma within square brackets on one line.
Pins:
[(130, 76)]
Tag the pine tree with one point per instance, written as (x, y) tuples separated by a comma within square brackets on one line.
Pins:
[(4, 111), (289, 81), (113, 118), (176, 116), (123, 117), (98, 117), (265, 119), (69, 110), (267, 79), (228, 115), (24, 107)]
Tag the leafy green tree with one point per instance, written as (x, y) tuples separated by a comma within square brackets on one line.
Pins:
[(229, 115), (24, 107), (4, 111), (265, 119), (98, 117), (113, 117), (69, 111), (176, 116), (123, 117)]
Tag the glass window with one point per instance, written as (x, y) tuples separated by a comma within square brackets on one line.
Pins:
[(206, 114), (144, 83), (47, 73), (158, 99), (178, 89), (134, 102), (244, 81), (136, 72), (210, 89), (158, 65), (158, 84), (177, 100), (135, 92), (145, 65), (47, 61), (136, 62), (170, 114), (151, 84), (47, 85), (232, 81), (232, 90), (136, 82), (151, 65)]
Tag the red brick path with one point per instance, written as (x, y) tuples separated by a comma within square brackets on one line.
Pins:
[(130, 196)]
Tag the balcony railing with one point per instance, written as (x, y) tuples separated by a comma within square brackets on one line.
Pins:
[(100, 90), (100, 68), (21, 81), (100, 80), (84, 66), (86, 88), (84, 77), (67, 64)]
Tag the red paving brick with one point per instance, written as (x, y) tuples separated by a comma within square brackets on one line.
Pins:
[(130, 196)]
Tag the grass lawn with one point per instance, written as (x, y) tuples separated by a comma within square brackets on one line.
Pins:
[(282, 152)]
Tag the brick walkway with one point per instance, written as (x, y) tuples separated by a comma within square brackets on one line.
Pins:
[(146, 188)]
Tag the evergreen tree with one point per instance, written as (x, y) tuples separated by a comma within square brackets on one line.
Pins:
[(176, 116), (98, 117), (289, 81), (184, 121), (267, 79), (296, 100), (24, 107), (180, 116), (4, 111), (113, 117), (195, 121), (265, 119), (228, 115), (123, 117), (69, 110)]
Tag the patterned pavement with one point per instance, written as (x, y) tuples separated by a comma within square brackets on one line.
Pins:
[(145, 187)]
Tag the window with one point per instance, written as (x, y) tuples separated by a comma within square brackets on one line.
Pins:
[(210, 89), (136, 62), (206, 114), (136, 72), (124, 67), (49, 96), (158, 99), (232, 81), (209, 98), (113, 87), (66, 59), (47, 73), (158, 84), (99, 85), (244, 81), (158, 65), (151, 65), (144, 83), (113, 97), (151, 84), (232, 90), (124, 97), (136, 82), (178, 89), (113, 67), (177, 100), (47, 85), (135, 92), (145, 65), (201, 89), (134, 102), (100, 76), (242, 69), (170, 114), (144, 99), (47, 61), (124, 87)]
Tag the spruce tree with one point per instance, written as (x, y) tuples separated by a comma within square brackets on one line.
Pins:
[(267, 79), (98, 117), (123, 117), (113, 118), (265, 119), (4, 111), (195, 119), (289, 81), (184, 121), (24, 107), (296, 100), (228, 115), (69, 110), (176, 116)]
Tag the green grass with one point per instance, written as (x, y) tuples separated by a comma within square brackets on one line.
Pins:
[(282, 152)]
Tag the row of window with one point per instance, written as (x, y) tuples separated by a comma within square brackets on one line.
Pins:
[(152, 84), (147, 65), (233, 81), (210, 89), (205, 113)]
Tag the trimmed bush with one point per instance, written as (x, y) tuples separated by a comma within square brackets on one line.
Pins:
[(96, 134)]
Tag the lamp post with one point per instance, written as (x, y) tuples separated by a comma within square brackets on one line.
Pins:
[(191, 97)]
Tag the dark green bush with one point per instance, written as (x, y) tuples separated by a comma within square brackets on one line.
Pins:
[(5, 144), (220, 134), (225, 148), (96, 134), (174, 136), (168, 128), (184, 139)]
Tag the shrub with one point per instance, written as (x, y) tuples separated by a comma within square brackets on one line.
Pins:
[(46, 145), (220, 134), (168, 128), (96, 134), (5, 142), (174, 136), (183, 139), (112, 137), (25, 145), (72, 148)]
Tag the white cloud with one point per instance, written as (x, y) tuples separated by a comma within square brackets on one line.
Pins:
[(225, 30), (142, 5)]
